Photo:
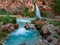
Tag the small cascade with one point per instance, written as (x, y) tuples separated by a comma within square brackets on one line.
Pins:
[(21, 36), (38, 14)]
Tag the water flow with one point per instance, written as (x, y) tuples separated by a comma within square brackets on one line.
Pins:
[(38, 12), (21, 36)]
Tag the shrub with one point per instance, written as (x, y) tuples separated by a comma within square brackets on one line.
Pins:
[(2, 12), (55, 23), (29, 14), (56, 7), (38, 26), (7, 19)]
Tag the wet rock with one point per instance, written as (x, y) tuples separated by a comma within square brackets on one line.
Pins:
[(30, 26), (49, 39), (16, 26), (23, 44), (27, 26), (11, 27)]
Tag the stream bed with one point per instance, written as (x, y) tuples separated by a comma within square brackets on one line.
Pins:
[(21, 36)]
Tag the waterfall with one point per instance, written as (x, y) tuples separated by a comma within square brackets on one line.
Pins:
[(38, 12)]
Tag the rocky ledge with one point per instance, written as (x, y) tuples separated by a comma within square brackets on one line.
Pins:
[(6, 29), (50, 34)]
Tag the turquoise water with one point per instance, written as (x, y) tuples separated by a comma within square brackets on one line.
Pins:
[(21, 36)]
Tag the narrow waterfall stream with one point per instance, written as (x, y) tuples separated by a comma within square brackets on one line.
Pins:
[(38, 14)]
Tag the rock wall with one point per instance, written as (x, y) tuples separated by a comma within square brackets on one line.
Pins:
[(45, 4), (13, 6)]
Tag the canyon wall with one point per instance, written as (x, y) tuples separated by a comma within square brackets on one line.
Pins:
[(13, 6)]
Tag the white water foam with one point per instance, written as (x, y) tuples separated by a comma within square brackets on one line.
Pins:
[(21, 31)]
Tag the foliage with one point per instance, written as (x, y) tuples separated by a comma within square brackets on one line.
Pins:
[(33, 1), (2, 12), (27, 13), (38, 26), (13, 20), (56, 7), (3, 36), (43, 13), (55, 23), (37, 18), (7, 19)]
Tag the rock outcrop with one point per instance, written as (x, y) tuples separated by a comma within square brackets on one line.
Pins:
[(13, 6)]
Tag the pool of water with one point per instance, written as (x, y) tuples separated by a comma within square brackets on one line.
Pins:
[(21, 36)]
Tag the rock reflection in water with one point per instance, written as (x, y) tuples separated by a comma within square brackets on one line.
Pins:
[(23, 44)]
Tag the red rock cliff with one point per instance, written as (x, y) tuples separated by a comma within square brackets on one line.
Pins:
[(12, 6)]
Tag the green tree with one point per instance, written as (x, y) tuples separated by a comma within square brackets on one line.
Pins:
[(56, 7), (3, 11)]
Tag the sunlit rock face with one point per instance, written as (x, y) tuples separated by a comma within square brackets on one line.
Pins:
[(13, 6), (44, 4)]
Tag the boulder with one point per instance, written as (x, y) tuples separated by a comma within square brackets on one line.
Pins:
[(16, 26), (49, 27), (39, 21), (30, 26), (11, 27), (4, 27), (45, 30)]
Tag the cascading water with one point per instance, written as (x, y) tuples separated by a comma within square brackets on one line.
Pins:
[(38, 12), (21, 36)]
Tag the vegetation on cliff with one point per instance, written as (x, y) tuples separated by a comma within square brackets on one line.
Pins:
[(7, 19), (56, 7)]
